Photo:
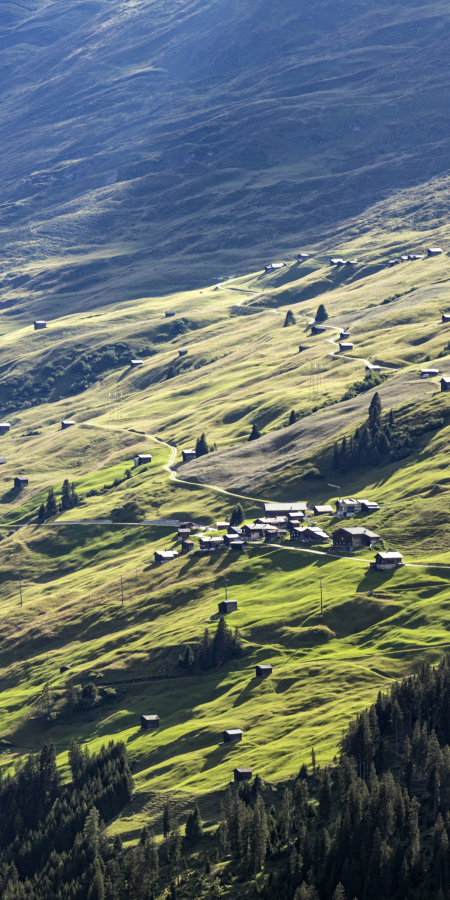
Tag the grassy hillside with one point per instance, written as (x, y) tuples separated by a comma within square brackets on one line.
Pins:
[(242, 366), (154, 146)]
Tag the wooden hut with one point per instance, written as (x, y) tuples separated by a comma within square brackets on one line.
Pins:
[(67, 423), (4, 427), (187, 546), (143, 459), (134, 363), (149, 722), (446, 317), (188, 455), (39, 324), (243, 774), (20, 481), (434, 251), (182, 352), (263, 670), (232, 736), (345, 346), (168, 313), (445, 383), (63, 669), (228, 606), (389, 560)]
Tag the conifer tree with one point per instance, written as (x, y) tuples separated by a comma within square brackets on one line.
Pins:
[(292, 417), (201, 447), (194, 827), (41, 513), (167, 820), (237, 516), (255, 433), (65, 496), (290, 319), (336, 460), (321, 314), (50, 506)]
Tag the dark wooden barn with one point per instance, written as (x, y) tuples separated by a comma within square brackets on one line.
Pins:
[(243, 774), (263, 671), (149, 722), (232, 736), (228, 606)]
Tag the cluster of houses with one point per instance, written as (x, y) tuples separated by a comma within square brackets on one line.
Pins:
[(412, 257), (282, 521)]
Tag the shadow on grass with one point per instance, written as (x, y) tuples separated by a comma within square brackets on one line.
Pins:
[(10, 495)]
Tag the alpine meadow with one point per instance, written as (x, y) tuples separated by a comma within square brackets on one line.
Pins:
[(224, 450)]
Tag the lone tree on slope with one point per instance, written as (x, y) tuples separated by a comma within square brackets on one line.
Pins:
[(255, 433), (321, 314), (201, 447), (290, 319)]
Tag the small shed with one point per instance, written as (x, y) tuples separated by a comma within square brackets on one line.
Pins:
[(272, 267), (67, 423), (414, 256), (188, 455), (243, 774), (371, 368), (208, 543), (4, 427), (345, 346), (182, 352), (232, 736), (429, 373), (222, 526), (303, 256), (336, 261), (445, 383), (183, 534), (2, 460), (390, 560), (39, 324), (344, 335), (303, 347), (368, 506), (318, 329), (237, 544), (143, 459), (168, 313), (20, 481), (263, 670), (351, 262), (403, 259), (393, 262), (434, 251), (326, 510), (228, 606), (187, 546), (163, 556), (446, 317), (136, 362), (149, 722), (64, 669)]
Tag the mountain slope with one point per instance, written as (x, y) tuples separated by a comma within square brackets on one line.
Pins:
[(155, 145)]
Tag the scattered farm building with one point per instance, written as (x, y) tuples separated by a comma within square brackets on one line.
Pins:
[(434, 251), (237, 544), (2, 460), (393, 262), (67, 423), (228, 606), (222, 526), (344, 335), (39, 324), (445, 383), (389, 560), (337, 261), (188, 455), (272, 267), (415, 256), (368, 506), (303, 347), (64, 669), (183, 534), (163, 556), (429, 373), (263, 670), (283, 509), (303, 256), (149, 722), (234, 529), (208, 543), (351, 262), (187, 546), (168, 313), (182, 352), (4, 427), (20, 481), (446, 317), (272, 533), (403, 259), (326, 510), (345, 346), (243, 774), (232, 736), (134, 363), (309, 533), (354, 538), (142, 459), (253, 532), (318, 329)]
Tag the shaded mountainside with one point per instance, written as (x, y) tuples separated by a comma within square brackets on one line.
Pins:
[(143, 141)]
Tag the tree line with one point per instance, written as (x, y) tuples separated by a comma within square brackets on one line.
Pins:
[(212, 652)]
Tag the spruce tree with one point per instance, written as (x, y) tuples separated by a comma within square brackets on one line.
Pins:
[(321, 314), (392, 418), (290, 319), (41, 513), (74, 499), (201, 447), (50, 506), (237, 516), (255, 433), (375, 410), (167, 820), (205, 651), (336, 459), (292, 417), (194, 827), (65, 496)]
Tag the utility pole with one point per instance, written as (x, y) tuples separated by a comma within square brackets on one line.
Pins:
[(321, 598), (20, 587), (121, 587)]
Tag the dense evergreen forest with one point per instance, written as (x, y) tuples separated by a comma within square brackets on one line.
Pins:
[(373, 826)]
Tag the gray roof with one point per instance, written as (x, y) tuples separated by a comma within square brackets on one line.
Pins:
[(359, 530), (390, 554), (286, 507)]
